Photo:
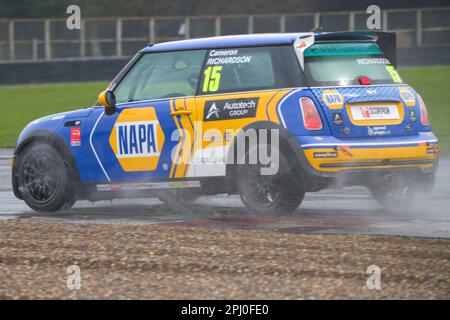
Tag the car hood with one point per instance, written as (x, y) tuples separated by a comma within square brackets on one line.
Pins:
[(52, 122), (58, 117)]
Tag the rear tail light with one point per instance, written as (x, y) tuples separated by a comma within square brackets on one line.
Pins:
[(424, 120), (311, 117)]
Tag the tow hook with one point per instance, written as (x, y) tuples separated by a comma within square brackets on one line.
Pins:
[(344, 150), (434, 148)]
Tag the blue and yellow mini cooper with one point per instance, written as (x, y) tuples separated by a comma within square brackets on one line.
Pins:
[(166, 125)]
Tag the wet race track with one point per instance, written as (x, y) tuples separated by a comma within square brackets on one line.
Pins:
[(343, 211)]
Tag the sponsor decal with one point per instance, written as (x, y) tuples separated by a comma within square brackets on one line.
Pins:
[(345, 150), (221, 57), (230, 109), (365, 61), (408, 97), (412, 115), (211, 79), (49, 118), (301, 45), (351, 95), (375, 112), (337, 118), (137, 139), (216, 61), (211, 159), (213, 112), (148, 185), (345, 130), (371, 91), (394, 74), (333, 99), (57, 117), (75, 137), (331, 154), (337, 49), (378, 131)]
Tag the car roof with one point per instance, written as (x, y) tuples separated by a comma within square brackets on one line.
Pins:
[(264, 39), (260, 39)]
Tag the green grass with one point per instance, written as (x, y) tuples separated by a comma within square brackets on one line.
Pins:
[(22, 104), (433, 84)]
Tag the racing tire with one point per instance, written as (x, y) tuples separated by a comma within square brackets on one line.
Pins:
[(400, 192), (270, 195), (69, 203), (43, 179), (179, 200)]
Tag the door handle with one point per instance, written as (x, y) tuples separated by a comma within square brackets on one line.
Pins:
[(181, 112)]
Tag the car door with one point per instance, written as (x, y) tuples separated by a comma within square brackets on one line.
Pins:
[(147, 137), (238, 87)]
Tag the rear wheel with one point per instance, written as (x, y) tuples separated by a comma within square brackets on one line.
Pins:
[(43, 179), (277, 194), (398, 192)]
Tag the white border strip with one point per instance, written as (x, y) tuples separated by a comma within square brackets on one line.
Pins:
[(366, 144), (92, 145)]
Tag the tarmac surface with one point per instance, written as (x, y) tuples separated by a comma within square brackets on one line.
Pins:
[(334, 211)]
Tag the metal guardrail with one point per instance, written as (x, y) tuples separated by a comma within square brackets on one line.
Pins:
[(45, 39)]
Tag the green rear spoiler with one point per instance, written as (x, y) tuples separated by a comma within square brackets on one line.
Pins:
[(387, 41)]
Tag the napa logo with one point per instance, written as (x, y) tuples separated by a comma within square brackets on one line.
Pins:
[(407, 96), (137, 139), (333, 99)]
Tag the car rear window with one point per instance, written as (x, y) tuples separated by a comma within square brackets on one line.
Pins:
[(252, 68), (329, 64)]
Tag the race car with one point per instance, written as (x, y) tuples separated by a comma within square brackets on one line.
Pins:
[(330, 107)]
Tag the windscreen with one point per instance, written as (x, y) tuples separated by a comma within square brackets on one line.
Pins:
[(341, 64)]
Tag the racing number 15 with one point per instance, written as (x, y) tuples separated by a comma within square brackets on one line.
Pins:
[(211, 80)]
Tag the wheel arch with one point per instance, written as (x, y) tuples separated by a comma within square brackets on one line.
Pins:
[(53, 140), (287, 144)]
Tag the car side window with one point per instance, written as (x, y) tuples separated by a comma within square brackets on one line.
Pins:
[(251, 68), (161, 75)]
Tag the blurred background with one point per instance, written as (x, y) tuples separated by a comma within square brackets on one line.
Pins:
[(36, 30), (36, 47), (116, 29)]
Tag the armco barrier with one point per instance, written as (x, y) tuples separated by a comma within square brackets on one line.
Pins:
[(64, 70), (78, 70)]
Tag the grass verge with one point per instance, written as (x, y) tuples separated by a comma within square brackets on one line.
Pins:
[(22, 104)]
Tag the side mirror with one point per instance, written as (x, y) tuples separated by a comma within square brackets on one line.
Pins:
[(108, 100)]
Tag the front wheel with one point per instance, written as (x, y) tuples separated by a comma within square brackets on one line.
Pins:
[(278, 194), (43, 179), (179, 200)]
